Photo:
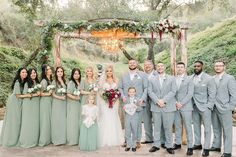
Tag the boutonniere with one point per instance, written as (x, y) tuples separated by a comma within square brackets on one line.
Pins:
[(137, 76)]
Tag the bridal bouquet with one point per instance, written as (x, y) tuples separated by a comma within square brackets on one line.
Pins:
[(111, 96), (61, 91), (76, 93), (93, 87), (35, 89), (50, 87)]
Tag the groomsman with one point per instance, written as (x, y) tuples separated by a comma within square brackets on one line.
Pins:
[(224, 105), (147, 114), (203, 98), (138, 80), (162, 90), (184, 106)]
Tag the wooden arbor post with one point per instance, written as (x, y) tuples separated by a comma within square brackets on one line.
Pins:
[(183, 43)]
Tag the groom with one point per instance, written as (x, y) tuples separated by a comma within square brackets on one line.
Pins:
[(138, 80)]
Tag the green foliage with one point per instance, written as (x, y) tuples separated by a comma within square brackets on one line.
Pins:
[(12, 58), (141, 55), (215, 43)]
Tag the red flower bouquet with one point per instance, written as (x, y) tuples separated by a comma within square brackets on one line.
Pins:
[(111, 96)]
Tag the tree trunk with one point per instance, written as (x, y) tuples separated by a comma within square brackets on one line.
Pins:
[(32, 57)]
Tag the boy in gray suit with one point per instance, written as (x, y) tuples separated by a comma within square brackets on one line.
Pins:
[(132, 109), (222, 112), (162, 90), (138, 80), (184, 106), (203, 99)]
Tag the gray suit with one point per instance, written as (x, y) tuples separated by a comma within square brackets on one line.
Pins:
[(203, 98), (224, 105), (140, 82), (184, 96), (131, 126), (166, 114), (147, 114)]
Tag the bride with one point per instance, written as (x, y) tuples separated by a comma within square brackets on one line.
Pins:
[(110, 131)]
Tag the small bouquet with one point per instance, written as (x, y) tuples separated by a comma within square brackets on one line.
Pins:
[(111, 96), (61, 91), (76, 93), (50, 87), (93, 87), (35, 89)]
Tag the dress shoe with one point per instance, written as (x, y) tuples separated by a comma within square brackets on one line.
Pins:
[(189, 151), (170, 150), (134, 149), (127, 149), (153, 149), (226, 155), (213, 149), (146, 142), (138, 145), (197, 147), (205, 152), (177, 146), (124, 144), (163, 146)]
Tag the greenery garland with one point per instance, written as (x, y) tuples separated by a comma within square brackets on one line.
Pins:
[(49, 29)]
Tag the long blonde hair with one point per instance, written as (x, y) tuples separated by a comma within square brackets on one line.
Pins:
[(113, 75), (91, 68)]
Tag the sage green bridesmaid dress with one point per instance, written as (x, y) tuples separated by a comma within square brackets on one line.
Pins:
[(12, 120), (29, 134), (73, 116), (58, 123), (85, 87), (45, 115)]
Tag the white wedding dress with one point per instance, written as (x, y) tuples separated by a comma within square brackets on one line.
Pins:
[(110, 130)]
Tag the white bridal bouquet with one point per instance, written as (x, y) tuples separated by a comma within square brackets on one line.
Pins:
[(50, 87), (61, 91), (35, 89), (76, 92), (93, 87)]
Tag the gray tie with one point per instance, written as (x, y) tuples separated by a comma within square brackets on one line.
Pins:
[(217, 80)]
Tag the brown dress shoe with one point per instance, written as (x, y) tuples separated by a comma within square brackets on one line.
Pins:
[(138, 145)]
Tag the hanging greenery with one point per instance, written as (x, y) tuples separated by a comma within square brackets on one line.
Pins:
[(163, 26)]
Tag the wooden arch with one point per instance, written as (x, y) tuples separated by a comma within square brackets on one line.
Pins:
[(85, 35)]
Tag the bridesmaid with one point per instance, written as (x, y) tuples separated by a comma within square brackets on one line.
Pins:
[(89, 80), (73, 107), (59, 108), (29, 133), (45, 106), (12, 119)]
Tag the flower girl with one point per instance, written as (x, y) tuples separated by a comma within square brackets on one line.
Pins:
[(88, 140)]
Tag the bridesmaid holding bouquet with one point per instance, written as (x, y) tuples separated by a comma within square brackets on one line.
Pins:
[(46, 106), (73, 107), (59, 108), (29, 134), (12, 119)]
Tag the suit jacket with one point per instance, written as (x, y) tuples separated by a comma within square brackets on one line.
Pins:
[(140, 82), (139, 107), (226, 94), (166, 92), (204, 92), (184, 93)]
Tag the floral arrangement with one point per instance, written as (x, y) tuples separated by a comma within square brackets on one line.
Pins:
[(35, 89), (61, 91), (76, 93), (50, 28), (50, 87), (111, 96), (93, 87)]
